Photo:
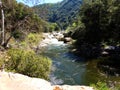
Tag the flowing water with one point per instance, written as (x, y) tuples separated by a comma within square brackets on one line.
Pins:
[(68, 68)]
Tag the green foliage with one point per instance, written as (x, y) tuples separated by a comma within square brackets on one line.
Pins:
[(77, 24), (63, 13), (18, 35), (100, 86), (1, 62), (30, 41), (3, 58), (103, 86), (28, 63), (33, 38), (101, 22), (51, 27), (20, 20)]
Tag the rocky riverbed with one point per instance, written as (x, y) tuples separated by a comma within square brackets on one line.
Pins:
[(53, 38)]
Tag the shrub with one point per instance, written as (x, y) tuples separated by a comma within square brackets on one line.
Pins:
[(104, 86), (19, 35), (1, 62), (3, 57), (100, 86), (28, 63), (30, 41), (33, 38)]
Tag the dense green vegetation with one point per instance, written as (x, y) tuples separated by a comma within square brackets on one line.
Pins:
[(20, 20), (28, 63), (97, 26), (23, 31), (63, 13), (21, 58), (100, 22), (103, 86)]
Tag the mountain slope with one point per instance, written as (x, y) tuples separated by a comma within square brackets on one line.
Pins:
[(63, 13)]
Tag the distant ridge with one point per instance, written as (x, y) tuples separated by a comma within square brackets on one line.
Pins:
[(62, 13)]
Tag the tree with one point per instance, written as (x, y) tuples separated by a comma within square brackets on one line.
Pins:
[(3, 30), (101, 20), (5, 41)]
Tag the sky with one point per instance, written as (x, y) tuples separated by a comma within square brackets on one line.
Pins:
[(42, 1)]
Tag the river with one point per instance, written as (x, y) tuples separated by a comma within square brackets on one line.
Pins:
[(67, 68)]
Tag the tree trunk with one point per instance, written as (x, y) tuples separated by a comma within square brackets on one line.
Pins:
[(3, 26), (5, 45)]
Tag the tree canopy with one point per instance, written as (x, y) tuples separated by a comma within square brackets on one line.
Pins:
[(19, 20), (100, 22)]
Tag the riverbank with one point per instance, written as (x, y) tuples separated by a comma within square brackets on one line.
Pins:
[(69, 59), (15, 81)]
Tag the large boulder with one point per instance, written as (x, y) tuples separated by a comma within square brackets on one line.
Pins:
[(12, 81), (67, 39), (15, 81)]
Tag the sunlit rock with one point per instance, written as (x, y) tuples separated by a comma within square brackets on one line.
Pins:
[(68, 87), (11, 81), (14, 81)]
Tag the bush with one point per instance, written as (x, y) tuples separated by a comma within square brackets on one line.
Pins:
[(100, 86), (1, 62), (33, 38), (28, 63), (19, 35), (30, 41), (104, 86), (3, 57)]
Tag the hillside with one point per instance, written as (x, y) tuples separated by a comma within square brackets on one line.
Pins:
[(63, 13)]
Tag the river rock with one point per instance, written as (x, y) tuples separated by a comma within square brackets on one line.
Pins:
[(67, 39), (15, 81), (68, 87)]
